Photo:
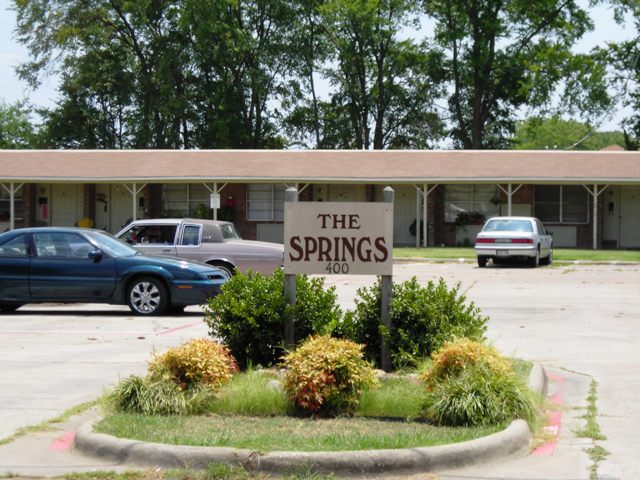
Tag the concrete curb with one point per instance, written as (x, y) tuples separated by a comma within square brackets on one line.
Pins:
[(400, 260), (514, 440)]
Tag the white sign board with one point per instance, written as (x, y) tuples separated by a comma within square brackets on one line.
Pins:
[(338, 238), (214, 200)]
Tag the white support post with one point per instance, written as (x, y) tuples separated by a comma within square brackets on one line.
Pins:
[(12, 190), (595, 193), (215, 190), (418, 193), (215, 210), (134, 191), (509, 192), (425, 196)]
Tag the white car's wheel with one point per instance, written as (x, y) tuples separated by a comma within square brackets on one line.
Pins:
[(534, 261)]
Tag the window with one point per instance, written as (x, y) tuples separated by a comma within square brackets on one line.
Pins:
[(265, 202), (191, 235), (62, 245), (5, 205), (181, 200), (561, 203), (150, 233), (469, 199), (16, 247)]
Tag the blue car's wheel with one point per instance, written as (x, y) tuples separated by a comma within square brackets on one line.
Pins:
[(147, 296)]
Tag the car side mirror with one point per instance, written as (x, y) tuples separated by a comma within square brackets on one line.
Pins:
[(95, 255)]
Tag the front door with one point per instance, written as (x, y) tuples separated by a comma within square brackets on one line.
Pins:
[(629, 217), (66, 204)]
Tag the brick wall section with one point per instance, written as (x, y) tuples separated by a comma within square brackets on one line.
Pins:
[(89, 201), (29, 203)]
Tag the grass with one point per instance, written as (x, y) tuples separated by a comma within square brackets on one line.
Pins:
[(559, 254), (396, 397), (49, 424), (592, 430), (214, 471), (251, 394), (266, 434), (252, 412)]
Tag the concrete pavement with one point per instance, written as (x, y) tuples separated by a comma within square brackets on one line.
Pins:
[(580, 321)]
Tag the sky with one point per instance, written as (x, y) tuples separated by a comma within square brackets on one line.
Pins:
[(12, 54)]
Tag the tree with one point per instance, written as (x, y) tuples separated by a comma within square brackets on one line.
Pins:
[(554, 133), (506, 55), (384, 87), (16, 129), (624, 58), (171, 74)]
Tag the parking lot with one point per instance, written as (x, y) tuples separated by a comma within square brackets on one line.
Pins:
[(578, 319)]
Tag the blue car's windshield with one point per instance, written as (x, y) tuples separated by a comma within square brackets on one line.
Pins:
[(112, 245)]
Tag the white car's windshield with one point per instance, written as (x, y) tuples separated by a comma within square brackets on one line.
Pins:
[(508, 226), (228, 231)]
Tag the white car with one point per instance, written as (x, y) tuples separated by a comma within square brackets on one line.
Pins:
[(214, 242), (514, 238)]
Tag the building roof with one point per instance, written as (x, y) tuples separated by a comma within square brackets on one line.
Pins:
[(320, 166)]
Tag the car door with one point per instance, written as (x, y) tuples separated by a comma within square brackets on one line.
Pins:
[(15, 261), (152, 238), (189, 244), (62, 269)]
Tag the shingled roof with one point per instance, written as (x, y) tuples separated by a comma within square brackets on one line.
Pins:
[(320, 166)]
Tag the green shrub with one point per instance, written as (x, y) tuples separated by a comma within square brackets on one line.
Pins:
[(423, 319), (326, 376), (199, 361), (470, 384), (250, 313)]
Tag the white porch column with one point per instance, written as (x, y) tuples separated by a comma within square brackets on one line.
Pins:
[(216, 191), (422, 233), (509, 192), (134, 191), (418, 233), (12, 190), (595, 193)]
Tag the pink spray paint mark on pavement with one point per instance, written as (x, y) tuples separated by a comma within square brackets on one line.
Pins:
[(64, 442), (554, 419), (180, 327)]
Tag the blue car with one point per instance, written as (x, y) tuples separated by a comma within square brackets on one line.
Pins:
[(49, 264)]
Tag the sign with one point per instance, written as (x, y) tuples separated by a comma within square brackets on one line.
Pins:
[(338, 238), (214, 200)]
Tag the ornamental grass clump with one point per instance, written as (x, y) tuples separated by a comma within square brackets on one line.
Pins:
[(180, 381), (470, 384), (326, 376)]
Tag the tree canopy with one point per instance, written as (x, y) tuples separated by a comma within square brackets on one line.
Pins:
[(16, 128), (555, 133), (364, 74)]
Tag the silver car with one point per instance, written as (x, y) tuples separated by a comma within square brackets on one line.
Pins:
[(514, 238), (214, 242)]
